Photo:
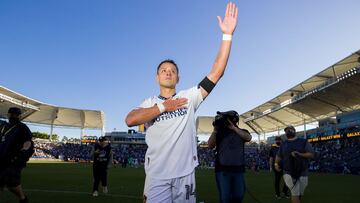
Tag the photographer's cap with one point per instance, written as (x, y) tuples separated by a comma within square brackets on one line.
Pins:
[(229, 113)]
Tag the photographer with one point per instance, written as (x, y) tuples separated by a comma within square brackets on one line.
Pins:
[(229, 141)]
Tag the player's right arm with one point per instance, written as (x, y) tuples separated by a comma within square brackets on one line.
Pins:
[(143, 115)]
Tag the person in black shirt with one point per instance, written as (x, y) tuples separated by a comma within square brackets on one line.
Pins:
[(229, 141), (278, 174), (295, 152), (16, 147), (102, 157)]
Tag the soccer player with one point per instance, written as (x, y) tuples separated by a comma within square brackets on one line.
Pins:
[(102, 157), (171, 156)]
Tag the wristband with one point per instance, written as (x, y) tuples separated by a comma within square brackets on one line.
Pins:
[(226, 37), (161, 107)]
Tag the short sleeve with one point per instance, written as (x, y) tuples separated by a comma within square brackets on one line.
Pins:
[(27, 133), (308, 147), (146, 104), (196, 97)]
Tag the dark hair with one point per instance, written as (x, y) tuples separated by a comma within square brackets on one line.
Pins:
[(102, 139), (168, 61), (290, 131), (14, 110)]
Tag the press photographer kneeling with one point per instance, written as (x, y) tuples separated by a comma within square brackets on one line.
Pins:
[(229, 141)]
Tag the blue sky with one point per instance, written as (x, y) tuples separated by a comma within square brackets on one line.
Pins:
[(103, 54)]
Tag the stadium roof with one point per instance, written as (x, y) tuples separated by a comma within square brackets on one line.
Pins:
[(332, 91), (41, 113)]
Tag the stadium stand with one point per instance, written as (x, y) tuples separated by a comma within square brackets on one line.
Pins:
[(45, 114)]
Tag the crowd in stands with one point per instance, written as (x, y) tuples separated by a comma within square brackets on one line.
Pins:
[(130, 154), (340, 156), (64, 151)]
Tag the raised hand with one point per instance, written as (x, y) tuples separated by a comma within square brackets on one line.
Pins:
[(228, 24), (175, 104)]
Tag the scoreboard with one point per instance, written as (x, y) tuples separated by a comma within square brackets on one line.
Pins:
[(88, 139)]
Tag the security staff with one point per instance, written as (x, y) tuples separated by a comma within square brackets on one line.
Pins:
[(277, 174), (16, 147)]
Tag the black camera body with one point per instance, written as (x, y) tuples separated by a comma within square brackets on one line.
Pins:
[(222, 119)]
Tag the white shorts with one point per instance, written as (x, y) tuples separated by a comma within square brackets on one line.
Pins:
[(299, 188), (176, 190)]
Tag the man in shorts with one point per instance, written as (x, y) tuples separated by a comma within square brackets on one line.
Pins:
[(295, 153)]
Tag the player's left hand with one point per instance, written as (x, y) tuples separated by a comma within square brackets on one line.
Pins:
[(228, 24)]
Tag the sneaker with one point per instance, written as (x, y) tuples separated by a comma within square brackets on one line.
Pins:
[(277, 197), (26, 200), (287, 196), (95, 194), (105, 190)]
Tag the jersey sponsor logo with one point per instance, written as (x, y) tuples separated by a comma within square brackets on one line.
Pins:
[(170, 115)]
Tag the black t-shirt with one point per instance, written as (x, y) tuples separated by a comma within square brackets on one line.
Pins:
[(273, 151), (230, 155), (12, 139), (299, 144), (102, 155)]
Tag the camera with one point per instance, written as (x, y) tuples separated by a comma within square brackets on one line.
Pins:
[(222, 119)]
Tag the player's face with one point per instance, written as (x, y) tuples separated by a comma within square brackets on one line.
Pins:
[(167, 75)]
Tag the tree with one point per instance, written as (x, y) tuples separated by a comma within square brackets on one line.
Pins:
[(55, 137), (40, 135)]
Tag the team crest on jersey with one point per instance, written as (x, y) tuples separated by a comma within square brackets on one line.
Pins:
[(170, 115)]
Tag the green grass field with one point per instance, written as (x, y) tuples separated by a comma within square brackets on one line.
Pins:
[(67, 183)]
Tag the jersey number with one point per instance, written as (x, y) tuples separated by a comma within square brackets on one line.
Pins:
[(189, 191)]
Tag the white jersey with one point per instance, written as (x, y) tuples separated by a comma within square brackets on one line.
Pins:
[(171, 138)]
